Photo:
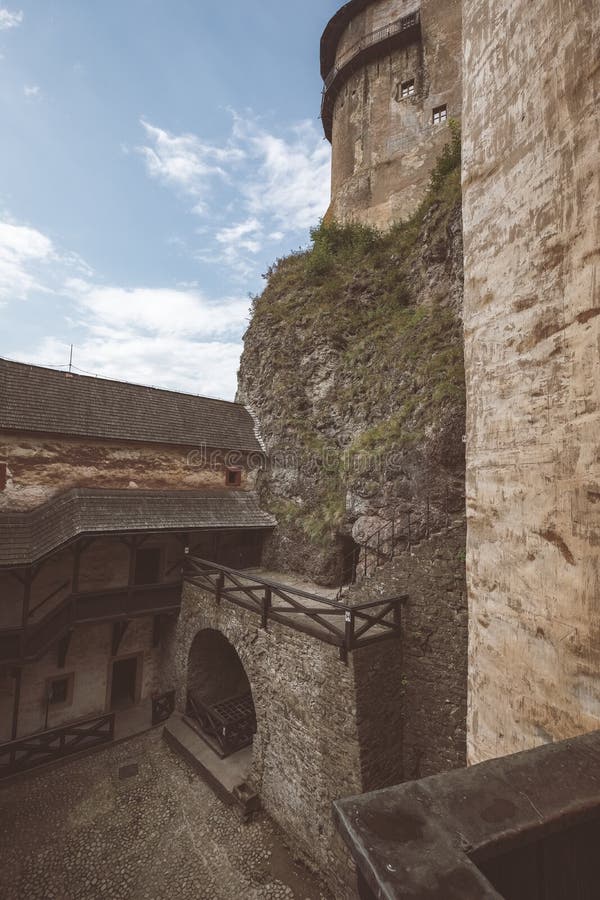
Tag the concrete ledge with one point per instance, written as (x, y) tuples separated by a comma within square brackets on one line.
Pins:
[(226, 777), (436, 839)]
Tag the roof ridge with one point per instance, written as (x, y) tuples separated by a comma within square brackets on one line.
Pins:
[(135, 384)]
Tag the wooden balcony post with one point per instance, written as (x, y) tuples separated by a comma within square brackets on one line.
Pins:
[(349, 630), (18, 673), (267, 600), (220, 585)]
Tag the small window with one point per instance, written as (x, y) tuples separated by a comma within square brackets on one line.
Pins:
[(233, 477), (3, 469), (59, 691), (440, 114), (147, 565), (407, 88)]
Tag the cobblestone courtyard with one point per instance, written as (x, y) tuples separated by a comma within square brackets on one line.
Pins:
[(81, 832)]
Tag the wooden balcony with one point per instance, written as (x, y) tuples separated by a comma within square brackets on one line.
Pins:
[(21, 645), (405, 31)]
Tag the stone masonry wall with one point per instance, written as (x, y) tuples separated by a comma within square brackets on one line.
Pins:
[(385, 146), (433, 696), (531, 185), (312, 713)]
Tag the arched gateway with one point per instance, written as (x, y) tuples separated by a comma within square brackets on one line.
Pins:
[(219, 699)]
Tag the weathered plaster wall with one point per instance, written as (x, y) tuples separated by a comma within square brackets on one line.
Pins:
[(311, 710), (532, 330), (41, 467), (384, 146), (89, 658)]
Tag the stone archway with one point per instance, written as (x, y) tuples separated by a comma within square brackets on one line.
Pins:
[(219, 694)]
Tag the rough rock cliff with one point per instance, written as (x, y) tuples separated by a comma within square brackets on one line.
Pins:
[(353, 366)]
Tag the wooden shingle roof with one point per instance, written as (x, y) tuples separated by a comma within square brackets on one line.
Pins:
[(36, 399), (29, 536)]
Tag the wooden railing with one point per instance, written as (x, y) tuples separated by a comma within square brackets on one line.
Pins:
[(345, 626), (229, 725), (49, 746), (29, 643), (380, 40)]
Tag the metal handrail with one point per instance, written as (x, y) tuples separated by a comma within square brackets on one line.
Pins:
[(375, 37)]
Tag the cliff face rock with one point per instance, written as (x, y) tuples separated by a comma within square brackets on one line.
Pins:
[(353, 366)]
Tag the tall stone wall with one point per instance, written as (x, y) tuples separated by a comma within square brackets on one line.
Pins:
[(532, 331), (384, 145), (312, 714), (434, 655)]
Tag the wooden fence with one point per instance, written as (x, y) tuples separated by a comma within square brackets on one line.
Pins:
[(50, 746), (345, 626)]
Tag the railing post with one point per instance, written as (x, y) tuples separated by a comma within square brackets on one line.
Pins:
[(267, 599), (349, 631), (220, 585)]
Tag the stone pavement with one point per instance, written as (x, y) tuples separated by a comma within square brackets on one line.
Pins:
[(83, 831)]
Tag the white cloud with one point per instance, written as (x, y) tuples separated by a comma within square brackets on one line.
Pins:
[(32, 90), (168, 361), (185, 162), (278, 182), (10, 19), (170, 336), (109, 311), (24, 252), (291, 182)]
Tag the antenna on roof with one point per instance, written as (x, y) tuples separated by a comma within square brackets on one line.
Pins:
[(71, 360)]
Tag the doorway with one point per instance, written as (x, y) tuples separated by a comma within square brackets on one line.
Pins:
[(123, 683)]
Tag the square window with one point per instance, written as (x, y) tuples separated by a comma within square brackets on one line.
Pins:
[(407, 88), (440, 114), (3, 472), (147, 565), (233, 477), (59, 691)]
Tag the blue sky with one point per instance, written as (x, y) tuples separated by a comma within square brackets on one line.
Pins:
[(156, 157)]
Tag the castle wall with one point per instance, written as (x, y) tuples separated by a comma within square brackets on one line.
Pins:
[(322, 728), (40, 467), (384, 145), (532, 338)]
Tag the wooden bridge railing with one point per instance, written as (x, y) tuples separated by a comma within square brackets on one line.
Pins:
[(345, 626), (49, 746)]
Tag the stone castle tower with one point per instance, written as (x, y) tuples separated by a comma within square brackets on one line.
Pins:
[(392, 73)]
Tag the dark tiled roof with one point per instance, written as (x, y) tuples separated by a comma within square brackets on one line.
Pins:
[(28, 536), (34, 399)]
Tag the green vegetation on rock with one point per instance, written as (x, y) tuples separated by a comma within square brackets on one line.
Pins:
[(376, 317)]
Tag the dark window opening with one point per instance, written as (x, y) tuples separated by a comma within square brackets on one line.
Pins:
[(59, 690), (440, 114), (233, 477), (2, 476), (407, 88), (147, 566)]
